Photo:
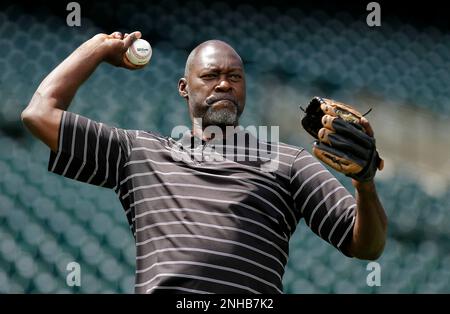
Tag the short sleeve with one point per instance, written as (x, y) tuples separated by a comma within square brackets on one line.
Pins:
[(89, 151), (325, 204)]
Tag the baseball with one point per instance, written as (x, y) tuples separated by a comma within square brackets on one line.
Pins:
[(140, 52)]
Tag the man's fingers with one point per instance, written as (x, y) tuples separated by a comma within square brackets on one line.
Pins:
[(344, 144), (366, 125), (130, 65), (323, 135), (128, 40), (327, 109), (351, 131), (117, 35), (327, 121)]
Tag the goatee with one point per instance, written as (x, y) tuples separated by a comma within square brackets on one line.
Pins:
[(221, 117)]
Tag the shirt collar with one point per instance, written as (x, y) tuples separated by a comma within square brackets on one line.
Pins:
[(189, 141)]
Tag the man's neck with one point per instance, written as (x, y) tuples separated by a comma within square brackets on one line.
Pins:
[(212, 132)]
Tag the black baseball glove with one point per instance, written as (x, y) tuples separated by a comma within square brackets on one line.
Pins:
[(341, 140)]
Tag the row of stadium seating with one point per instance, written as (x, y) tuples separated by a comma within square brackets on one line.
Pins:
[(397, 62), (47, 221), (404, 268)]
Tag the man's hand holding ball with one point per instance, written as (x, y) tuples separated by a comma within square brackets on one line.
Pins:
[(128, 51)]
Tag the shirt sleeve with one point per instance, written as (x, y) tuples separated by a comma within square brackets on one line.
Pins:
[(89, 151), (325, 204)]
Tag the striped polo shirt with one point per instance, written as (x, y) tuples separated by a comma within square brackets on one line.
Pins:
[(204, 220)]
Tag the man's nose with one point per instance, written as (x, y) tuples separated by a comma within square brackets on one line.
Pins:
[(223, 85)]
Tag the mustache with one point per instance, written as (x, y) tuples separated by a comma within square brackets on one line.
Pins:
[(212, 99)]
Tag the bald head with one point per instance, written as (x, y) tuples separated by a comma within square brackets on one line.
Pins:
[(214, 84), (207, 49)]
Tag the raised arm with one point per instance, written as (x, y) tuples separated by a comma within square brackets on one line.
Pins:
[(43, 114)]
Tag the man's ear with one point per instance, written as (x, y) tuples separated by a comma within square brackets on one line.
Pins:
[(182, 85)]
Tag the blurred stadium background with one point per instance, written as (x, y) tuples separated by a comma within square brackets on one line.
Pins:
[(291, 53)]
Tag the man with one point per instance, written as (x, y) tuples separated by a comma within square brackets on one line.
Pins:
[(201, 224)]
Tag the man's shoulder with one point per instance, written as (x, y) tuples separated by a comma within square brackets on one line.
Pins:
[(283, 154), (147, 137), (284, 149), (152, 134)]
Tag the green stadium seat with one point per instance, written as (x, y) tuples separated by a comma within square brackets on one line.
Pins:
[(10, 250), (76, 236), (127, 284), (48, 250), (344, 286), (92, 253), (26, 267), (129, 256), (33, 234), (323, 277), (45, 283), (111, 270), (119, 238), (303, 286), (4, 282), (91, 284), (43, 208)]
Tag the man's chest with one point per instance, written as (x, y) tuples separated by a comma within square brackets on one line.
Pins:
[(206, 191)]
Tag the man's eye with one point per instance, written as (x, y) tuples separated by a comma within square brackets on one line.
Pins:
[(235, 77), (209, 76)]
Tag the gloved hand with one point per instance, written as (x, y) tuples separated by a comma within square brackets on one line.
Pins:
[(342, 140)]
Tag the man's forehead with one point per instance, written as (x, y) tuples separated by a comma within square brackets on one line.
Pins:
[(214, 57)]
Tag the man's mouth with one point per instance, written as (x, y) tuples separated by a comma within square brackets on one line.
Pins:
[(221, 101)]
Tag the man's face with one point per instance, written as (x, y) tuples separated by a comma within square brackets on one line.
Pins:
[(215, 86)]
